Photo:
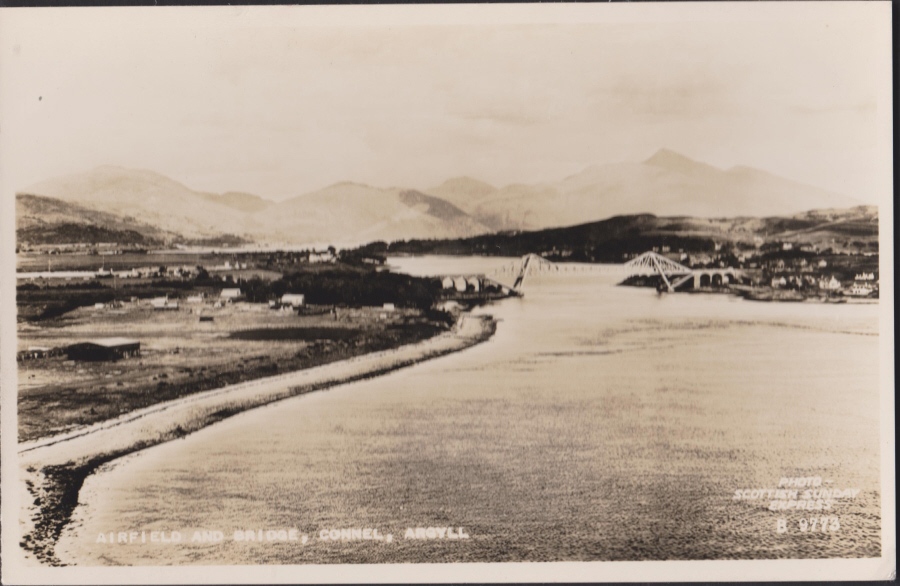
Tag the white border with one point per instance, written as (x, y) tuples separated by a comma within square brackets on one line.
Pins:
[(399, 15)]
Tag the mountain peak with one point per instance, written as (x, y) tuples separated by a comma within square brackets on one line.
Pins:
[(469, 184), (669, 159)]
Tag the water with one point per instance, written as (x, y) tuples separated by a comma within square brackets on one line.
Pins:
[(600, 423)]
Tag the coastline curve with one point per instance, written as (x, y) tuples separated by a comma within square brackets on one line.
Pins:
[(52, 470)]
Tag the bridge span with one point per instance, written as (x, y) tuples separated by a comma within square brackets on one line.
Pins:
[(673, 274)]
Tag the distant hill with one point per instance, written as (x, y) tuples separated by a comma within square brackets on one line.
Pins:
[(464, 192), (854, 229), (351, 213), (151, 197), (342, 213), (244, 202), (666, 184), (47, 220)]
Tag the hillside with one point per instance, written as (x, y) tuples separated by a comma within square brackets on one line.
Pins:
[(46, 220), (464, 192), (851, 230), (154, 198), (351, 213), (243, 202)]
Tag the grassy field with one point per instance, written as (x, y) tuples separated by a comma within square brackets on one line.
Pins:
[(181, 355)]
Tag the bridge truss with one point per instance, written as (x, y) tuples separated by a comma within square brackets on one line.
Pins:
[(651, 263)]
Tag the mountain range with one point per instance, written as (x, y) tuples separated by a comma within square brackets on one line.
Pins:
[(346, 214)]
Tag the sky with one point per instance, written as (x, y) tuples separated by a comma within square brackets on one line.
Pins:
[(281, 102)]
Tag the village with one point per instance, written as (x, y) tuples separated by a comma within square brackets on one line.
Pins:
[(781, 271)]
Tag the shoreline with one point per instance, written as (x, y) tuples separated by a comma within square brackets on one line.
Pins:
[(768, 295), (53, 469)]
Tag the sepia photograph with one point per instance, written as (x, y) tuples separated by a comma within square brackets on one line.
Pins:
[(570, 292)]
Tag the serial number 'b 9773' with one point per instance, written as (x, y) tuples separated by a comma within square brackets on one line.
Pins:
[(812, 524)]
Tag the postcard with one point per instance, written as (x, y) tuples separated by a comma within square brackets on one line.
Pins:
[(447, 293)]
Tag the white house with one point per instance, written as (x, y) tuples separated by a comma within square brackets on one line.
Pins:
[(163, 303), (293, 299), (779, 282), (447, 283), (833, 284), (230, 293), (388, 307), (316, 257)]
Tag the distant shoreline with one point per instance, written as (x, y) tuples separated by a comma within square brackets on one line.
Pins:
[(54, 469)]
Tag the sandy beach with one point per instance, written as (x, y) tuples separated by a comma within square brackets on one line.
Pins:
[(53, 469)]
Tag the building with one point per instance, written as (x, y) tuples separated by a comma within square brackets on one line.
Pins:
[(858, 290), (230, 294), (162, 303), (195, 299), (447, 282), (317, 257), (104, 349), (833, 284), (35, 352), (293, 299), (388, 307), (779, 282)]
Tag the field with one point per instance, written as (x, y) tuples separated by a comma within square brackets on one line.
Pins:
[(181, 355), (28, 262)]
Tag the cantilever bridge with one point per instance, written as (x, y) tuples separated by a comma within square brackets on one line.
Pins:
[(532, 264), (673, 274)]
